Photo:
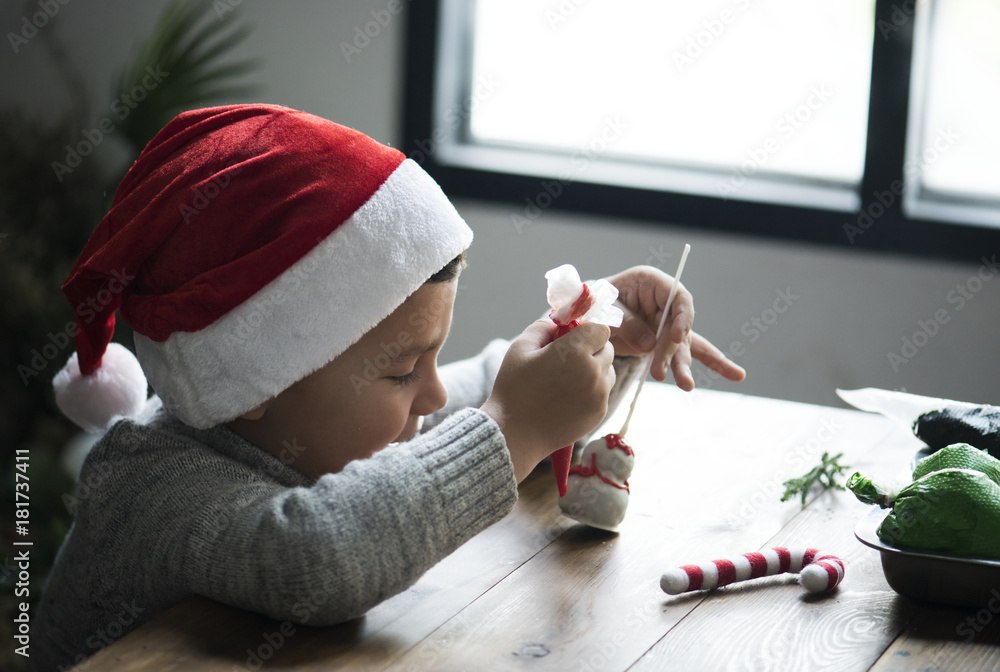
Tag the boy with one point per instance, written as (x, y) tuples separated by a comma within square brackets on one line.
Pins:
[(290, 283)]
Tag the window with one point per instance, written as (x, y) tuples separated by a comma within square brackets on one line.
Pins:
[(954, 140), (776, 117)]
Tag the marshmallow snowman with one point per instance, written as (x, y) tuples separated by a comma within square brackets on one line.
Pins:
[(597, 488)]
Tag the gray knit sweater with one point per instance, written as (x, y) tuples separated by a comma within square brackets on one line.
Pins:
[(166, 511)]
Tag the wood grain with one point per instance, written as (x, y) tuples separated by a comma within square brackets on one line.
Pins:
[(946, 639), (592, 601)]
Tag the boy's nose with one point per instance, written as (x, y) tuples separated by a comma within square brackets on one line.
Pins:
[(433, 396)]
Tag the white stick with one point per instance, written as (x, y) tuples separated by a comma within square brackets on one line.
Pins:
[(659, 330)]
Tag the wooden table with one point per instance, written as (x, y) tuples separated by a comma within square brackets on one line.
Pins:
[(538, 591)]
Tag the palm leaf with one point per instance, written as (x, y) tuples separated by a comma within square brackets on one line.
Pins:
[(189, 45)]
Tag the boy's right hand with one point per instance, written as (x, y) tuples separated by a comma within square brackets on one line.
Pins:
[(549, 393)]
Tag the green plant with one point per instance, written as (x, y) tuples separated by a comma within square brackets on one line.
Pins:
[(823, 475)]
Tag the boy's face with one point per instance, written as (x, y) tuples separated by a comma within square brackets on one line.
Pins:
[(372, 395)]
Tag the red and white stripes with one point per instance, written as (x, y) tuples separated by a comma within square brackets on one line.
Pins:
[(817, 573)]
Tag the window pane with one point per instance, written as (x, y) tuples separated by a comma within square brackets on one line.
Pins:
[(768, 86), (958, 138)]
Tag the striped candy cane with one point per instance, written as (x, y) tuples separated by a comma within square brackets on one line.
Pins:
[(817, 573)]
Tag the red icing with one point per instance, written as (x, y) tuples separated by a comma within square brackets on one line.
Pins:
[(592, 470), (582, 304), (563, 329), (614, 441)]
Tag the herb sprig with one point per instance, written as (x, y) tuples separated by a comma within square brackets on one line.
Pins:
[(824, 475)]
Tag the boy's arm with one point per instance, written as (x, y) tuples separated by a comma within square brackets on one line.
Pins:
[(328, 553)]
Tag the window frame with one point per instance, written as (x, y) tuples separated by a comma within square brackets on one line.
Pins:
[(891, 230)]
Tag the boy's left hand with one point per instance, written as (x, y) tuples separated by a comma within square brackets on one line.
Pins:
[(642, 295)]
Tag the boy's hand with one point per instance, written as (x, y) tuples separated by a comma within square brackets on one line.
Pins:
[(642, 295), (549, 393)]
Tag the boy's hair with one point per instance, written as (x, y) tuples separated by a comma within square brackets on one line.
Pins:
[(450, 271)]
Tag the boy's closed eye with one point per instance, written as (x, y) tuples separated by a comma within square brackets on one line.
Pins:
[(405, 379), (409, 361)]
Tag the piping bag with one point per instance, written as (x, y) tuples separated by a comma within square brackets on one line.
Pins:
[(573, 302)]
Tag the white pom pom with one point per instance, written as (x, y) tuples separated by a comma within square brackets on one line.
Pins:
[(116, 388), (823, 575), (675, 581)]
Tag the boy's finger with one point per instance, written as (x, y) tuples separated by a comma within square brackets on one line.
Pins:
[(682, 315), (713, 358), (681, 366), (676, 331), (610, 371), (606, 355), (664, 354)]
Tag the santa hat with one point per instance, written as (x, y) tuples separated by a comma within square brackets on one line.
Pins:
[(247, 247)]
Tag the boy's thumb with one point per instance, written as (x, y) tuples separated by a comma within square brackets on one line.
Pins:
[(538, 334), (636, 333)]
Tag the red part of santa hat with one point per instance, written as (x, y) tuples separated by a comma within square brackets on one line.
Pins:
[(247, 247)]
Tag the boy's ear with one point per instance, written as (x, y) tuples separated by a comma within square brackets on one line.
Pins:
[(255, 414)]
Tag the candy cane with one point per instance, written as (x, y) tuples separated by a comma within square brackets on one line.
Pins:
[(817, 573)]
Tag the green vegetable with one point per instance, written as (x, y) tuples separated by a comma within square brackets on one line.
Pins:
[(951, 507), (823, 475)]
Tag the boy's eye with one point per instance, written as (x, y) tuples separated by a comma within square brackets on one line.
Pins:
[(404, 380)]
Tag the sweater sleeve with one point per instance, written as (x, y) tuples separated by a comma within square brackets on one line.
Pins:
[(329, 552)]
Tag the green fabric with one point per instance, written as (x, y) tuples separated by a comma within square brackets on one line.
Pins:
[(869, 491), (951, 507), (959, 456), (951, 511)]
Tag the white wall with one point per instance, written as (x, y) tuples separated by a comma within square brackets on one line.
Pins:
[(848, 310), (851, 308)]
